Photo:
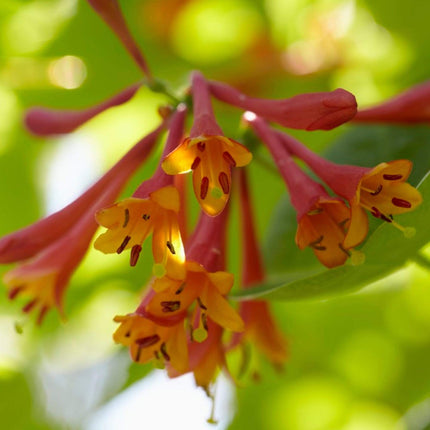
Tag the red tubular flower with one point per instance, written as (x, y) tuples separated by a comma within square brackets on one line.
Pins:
[(110, 12), (27, 242), (409, 107), (313, 111), (260, 326), (47, 122), (381, 190), (323, 221), (208, 153), (153, 208)]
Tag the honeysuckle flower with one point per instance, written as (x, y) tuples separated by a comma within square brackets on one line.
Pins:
[(207, 153), (381, 190), (260, 327), (110, 12), (313, 111), (410, 107), (47, 122), (27, 242), (153, 208), (147, 341), (50, 250), (323, 221)]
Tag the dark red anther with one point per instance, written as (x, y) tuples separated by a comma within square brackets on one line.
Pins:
[(195, 164), (148, 341), (401, 203), (228, 158), (199, 301), (316, 244), (201, 146), (170, 306), (376, 213), (42, 314), (204, 186), (377, 191), (205, 322), (30, 305), (14, 292), (138, 352), (164, 352), (126, 217), (171, 247), (123, 244), (224, 182), (344, 250), (180, 289), (392, 177), (134, 255)]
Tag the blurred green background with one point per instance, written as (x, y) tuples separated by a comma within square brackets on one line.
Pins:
[(358, 361)]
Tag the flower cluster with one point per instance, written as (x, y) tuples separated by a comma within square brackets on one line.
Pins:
[(184, 321)]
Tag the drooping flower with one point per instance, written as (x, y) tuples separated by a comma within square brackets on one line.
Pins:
[(323, 221), (110, 12), (153, 208), (313, 111), (148, 341), (207, 153), (409, 107), (260, 327), (49, 251), (47, 122), (381, 190)]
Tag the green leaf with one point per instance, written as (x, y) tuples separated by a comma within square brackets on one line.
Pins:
[(386, 250)]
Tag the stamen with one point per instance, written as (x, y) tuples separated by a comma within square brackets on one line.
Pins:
[(181, 288), (202, 306), (146, 217), (201, 146), (315, 211), (401, 203), (134, 255), (148, 341), (376, 213), (30, 305), (223, 180), (126, 217), (138, 352), (228, 158), (316, 244), (14, 292), (343, 223), (170, 306), (392, 177), (171, 247), (377, 191), (164, 352), (204, 186), (195, 164), (344, 250), (205, 322), (123, 244)]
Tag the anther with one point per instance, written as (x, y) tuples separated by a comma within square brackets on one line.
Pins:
[(392, 177), (30, 305), (138, 352), (14, 292), (228, 158), (401, 203), (342, 224), (199, 301), (148, 341), (376, 213), (223, 180), (180, 289), (134, 255), (146, 217), (377, 191), (123, 244), (195, 164), (344, 250), (164, 352), (205, 322), (170, 306), (128, 334), (201, 146), (171, 247), (126, 217), (204, 186), (316, 244)]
